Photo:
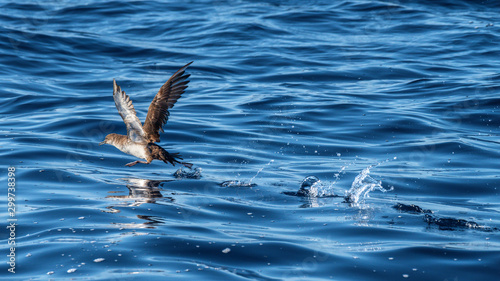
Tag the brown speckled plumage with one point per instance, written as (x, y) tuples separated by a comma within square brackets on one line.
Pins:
[(140, 140), (157, 152)]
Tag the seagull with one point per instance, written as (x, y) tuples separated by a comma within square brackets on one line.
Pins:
[(140, 139)]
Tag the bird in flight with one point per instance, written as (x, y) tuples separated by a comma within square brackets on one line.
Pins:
[(140, 139)]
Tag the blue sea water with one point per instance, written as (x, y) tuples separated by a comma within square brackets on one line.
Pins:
[(342, 140)]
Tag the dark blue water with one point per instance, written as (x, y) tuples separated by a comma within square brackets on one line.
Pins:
[(384, 102)]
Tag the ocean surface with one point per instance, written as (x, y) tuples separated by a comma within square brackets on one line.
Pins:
[(331, 140)]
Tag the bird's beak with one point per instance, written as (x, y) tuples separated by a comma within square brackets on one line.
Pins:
[(102, 142)]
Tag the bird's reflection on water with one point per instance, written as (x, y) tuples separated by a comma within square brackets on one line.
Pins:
[(140, 191), (143, 191)]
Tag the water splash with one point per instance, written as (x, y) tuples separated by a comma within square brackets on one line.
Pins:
[(338, 175), (362, 185), (260, 170), (310, 186), (182, 173), (249, 183), (236, 183), (313, 187)]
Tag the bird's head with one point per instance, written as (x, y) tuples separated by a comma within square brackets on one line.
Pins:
[(109, 139)]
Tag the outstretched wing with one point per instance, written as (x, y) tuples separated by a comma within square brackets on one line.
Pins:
[(127, 112), (165, 99)]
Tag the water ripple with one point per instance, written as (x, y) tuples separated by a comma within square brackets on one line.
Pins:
[(286, 98)]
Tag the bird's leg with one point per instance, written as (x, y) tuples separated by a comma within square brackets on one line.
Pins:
[(135, 162), (189, 165)]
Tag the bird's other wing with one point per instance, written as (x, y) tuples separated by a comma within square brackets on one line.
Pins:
[(127, 112), (165, 99)]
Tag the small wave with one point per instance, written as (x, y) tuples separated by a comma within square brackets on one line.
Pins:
[(411, 208), (443, 223), (455, 224)]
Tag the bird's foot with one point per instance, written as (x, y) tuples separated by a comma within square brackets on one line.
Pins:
[(135, 162)]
